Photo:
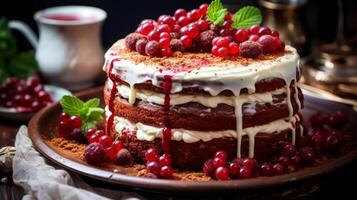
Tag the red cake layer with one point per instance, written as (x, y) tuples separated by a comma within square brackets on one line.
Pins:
[(194, 116), (191, 156)]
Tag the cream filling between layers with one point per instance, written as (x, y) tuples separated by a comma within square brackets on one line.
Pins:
[(149, 133), (132, 94)]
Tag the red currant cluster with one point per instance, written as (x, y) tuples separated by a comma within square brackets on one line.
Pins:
[(326, 134), (248, 43), (101, 148), (26, 95), (192, 31), (158, 166), (70, 127), (219, 168)]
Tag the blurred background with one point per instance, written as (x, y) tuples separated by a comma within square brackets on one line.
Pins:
[(325, 34)]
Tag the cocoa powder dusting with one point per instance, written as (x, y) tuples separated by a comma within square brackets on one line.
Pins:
[(187, 59), (73, 150)]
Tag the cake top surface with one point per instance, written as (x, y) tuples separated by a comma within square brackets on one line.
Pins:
[(188, 62)]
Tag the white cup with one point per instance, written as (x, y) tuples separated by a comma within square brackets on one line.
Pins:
[(69, 50)]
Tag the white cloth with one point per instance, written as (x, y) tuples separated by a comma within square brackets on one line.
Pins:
[(43, 181)]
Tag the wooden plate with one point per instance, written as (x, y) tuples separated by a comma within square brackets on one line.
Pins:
[(41, 126)]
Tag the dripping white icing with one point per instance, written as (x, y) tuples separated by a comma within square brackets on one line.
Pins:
[(149, 133), (178, 99)]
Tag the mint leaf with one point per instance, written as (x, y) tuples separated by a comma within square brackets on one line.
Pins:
[(215, 11), (92, 103), (246, 17), (72, 105), (95, 114), (221, 14), (23, 65)]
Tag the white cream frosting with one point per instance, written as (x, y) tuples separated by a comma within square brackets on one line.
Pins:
[(233, 77), (178, 99), (149, 133)]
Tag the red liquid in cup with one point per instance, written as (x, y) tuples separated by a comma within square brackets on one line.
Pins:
[(63, 17)]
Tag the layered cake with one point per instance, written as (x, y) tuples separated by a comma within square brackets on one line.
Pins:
[(193, 104)]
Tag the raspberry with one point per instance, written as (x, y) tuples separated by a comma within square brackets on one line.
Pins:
[(131, 39), (152, 48), (176, 45), (94, 153), (140, 46), (124, 157), (204, 40), (268, 43), (249, 49)]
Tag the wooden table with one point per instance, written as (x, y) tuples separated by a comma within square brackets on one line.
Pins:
[(339, 185)]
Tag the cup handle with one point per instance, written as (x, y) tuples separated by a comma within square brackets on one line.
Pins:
[(25, 30)]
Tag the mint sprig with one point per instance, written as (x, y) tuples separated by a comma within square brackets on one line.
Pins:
[(13, 62), (216, 12), (246, 17), (89, 111), (243, 18)]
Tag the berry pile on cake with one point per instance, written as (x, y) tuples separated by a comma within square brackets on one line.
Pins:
[(203, 81)]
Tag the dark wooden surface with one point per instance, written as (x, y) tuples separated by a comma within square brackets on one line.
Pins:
[(337, 185)]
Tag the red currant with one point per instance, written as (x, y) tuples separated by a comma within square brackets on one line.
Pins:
[(153, 167), (90, 132), (163, 28), (233, 49), (151, 155), (154, 35), (208, 168), (75, 122), (164, 43), (183, 21), (218, 162), (250, 163), (203, 9), (146, 28), (203, 24), (253, 37), (241, 35), (105, 140), (165, 159), (186, 41), (194, 15), (117, 145), (222, 52), (110, 153), (266, 169), (275, 33), (222, 173), (245, 172), (193, 30), (165, 35), (254, 29), (222, 42), (179, 13), (234, 169), (166, 172), (215, 50), (278, 169), (264, 31)]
